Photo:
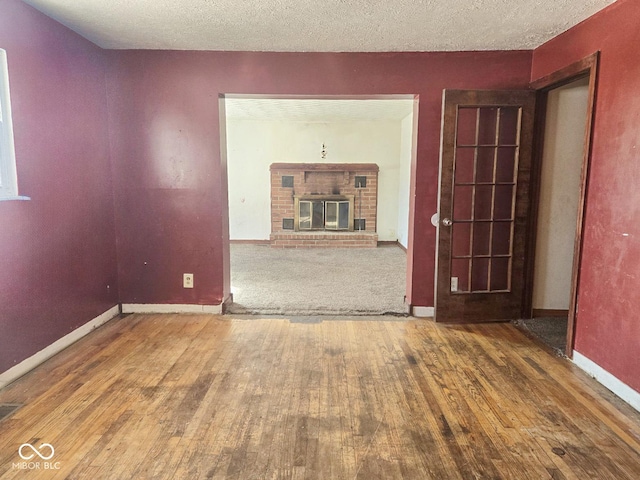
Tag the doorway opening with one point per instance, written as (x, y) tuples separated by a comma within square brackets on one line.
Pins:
[(318, 195), (560, 180), (557, 213)]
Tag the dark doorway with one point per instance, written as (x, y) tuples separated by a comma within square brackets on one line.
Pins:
[(559, 197), (561, 105)]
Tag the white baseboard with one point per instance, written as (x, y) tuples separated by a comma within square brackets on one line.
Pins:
[(422, 311), (621, 389), (33, 361), (170, 308)]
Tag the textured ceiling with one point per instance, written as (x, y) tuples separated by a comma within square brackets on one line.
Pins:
[(318, 110), (320, 26)]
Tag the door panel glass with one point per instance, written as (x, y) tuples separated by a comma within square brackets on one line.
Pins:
[(483, 201), (482, 238), (500, 273), (464, 165), (480, 274), (501, 241), (505, 164), (487, 120), (509, 117), (504, 202), (460, 270), (486, 160), (461, 239), (466, 126), (462, 203)]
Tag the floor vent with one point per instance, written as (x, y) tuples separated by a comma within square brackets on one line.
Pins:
[(6, 409)]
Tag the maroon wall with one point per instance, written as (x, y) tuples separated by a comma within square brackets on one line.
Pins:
[(608, 326), (170, 191), (57, 251)]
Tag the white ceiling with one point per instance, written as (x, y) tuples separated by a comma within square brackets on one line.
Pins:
[(320, 25), (312, 110)]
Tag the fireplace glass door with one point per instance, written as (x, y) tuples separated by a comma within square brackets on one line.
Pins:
[(336, 215), (311, 215), (324, 214)]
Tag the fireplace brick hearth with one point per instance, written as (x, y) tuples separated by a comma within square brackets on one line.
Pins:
[(324, 205)]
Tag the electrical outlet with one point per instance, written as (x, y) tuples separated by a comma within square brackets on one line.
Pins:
[(187, 280), (454, 284)]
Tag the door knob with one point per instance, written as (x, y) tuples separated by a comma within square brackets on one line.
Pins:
[(447, 222)]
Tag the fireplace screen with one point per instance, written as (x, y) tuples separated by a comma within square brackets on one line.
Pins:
[(324, 213), (311, 215)]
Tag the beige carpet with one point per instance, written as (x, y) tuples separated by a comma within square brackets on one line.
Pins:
[(317, 281)]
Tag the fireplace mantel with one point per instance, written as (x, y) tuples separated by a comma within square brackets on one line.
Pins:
[(326, 167)]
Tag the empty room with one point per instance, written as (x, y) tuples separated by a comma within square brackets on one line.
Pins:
[(286, 240)]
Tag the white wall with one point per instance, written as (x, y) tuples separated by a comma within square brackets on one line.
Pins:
[(253, 145), (559, 195), (404, 180)]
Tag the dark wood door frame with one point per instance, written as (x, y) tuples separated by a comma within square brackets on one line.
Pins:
[(587, 67)]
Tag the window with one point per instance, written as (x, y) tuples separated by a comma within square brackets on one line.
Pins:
[(8, 179)]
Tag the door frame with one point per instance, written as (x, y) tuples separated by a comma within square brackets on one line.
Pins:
[(586, 67), (226, 241)]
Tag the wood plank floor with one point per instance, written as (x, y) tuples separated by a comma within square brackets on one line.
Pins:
[(197, 396)]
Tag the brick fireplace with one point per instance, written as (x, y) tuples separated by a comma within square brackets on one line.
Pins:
[(324, 205)]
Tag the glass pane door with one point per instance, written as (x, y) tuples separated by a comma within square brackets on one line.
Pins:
[(484, 187)]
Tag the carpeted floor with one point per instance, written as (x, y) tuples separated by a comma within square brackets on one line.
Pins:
[(552, 331), (317, 281)]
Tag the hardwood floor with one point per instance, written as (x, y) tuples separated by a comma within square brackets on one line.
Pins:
[(197, 396)]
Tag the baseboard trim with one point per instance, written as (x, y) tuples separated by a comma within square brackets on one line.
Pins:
[(621, 389), (250, 242), (547, 312), (170, 308), (422, 312), (46, 353), (391, 243), (387, 243)]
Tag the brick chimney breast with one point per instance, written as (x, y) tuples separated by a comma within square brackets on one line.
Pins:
[(329, 202)]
